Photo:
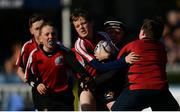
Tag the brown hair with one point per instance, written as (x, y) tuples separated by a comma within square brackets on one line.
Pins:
[(34, 18), (153, 28), (47, 23), (80, 13)]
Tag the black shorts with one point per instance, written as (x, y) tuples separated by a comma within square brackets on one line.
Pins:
[(62, 101), (35, 97), (137, 100)]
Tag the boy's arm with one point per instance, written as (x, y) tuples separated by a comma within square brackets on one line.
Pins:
[(22, 61), (21, 74), (120, 63), (112, 65), (20, 65), (78, 68), (30, 76)]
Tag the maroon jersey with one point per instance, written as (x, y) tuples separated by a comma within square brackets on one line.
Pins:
[(49, 69), (27, 48), (150, 71)]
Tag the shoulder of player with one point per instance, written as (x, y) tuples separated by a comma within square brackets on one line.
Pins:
[(32, 55), (82, 43), (34, 52), (28, 44), (134, 42), (130, 44)]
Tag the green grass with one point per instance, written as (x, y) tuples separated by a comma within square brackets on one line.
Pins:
[(75, 91)]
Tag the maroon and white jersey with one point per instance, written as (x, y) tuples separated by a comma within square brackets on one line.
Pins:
[(84, 50), (27, 48), (49, 69)]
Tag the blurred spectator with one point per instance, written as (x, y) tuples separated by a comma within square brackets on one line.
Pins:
[(2, 78), (9, 65), (16, 102), (171, 36), (176, 49), (173, 17)]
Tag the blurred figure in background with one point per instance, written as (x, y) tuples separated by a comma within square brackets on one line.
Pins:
[(172, 36), (15, 101), (10, 67), (35, 21)]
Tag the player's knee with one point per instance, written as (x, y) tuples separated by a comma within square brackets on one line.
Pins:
[(87, 101)]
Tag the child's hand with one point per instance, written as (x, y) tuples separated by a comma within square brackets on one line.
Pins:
[(41, 88), (131, 58)]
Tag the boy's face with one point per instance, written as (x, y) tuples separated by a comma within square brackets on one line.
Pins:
[(116, 34), (48, 36), (34, 29), (83, 27)]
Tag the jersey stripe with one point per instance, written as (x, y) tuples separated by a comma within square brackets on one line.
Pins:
[(80, 48), (29, 63)]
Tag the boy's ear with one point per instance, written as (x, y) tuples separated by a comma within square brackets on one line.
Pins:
[(143, 33)]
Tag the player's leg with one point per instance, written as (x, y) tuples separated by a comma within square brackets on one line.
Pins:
[(110, 104), (130, 101), (87, 101), (164, 101)]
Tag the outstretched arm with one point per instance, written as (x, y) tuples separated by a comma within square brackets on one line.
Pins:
[(112, 65), (120, 63)]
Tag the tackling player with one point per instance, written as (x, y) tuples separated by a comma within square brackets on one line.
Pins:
[(148, 85)]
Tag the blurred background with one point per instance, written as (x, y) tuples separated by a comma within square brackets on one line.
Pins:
[(14, 31)]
